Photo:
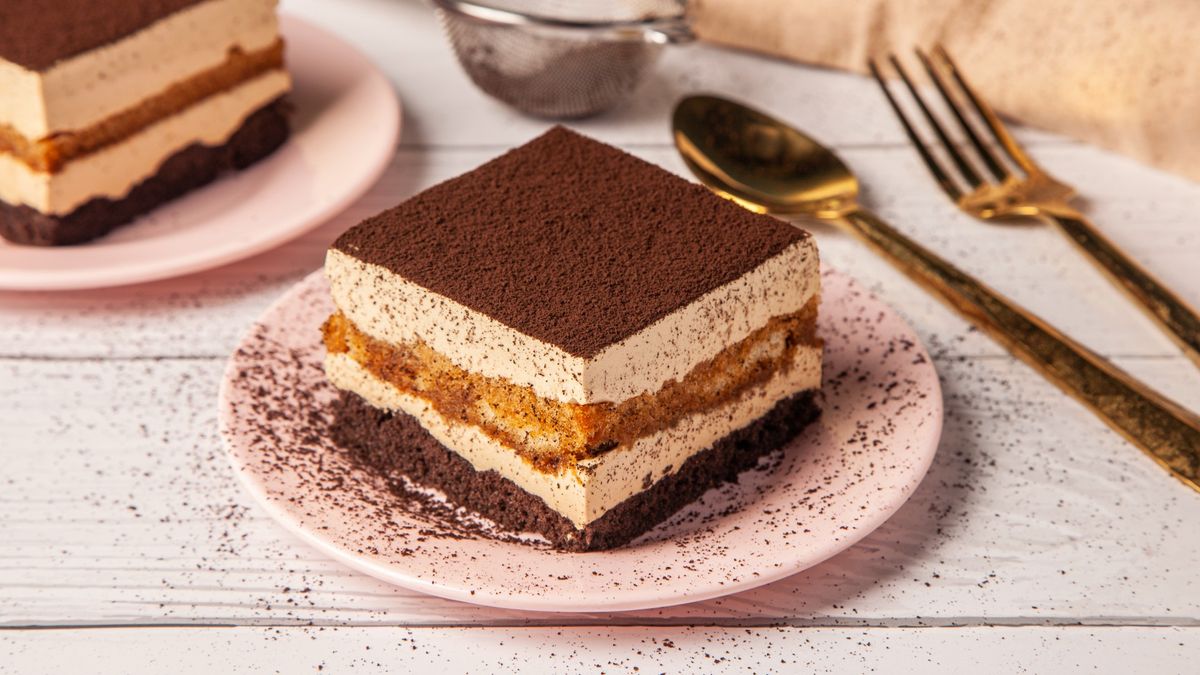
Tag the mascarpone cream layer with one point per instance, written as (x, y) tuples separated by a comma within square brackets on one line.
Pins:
[(387, 307), (82, 90), (584, 494), (114, 170)]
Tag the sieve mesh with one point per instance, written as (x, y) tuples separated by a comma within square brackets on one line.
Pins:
[(566, 72)]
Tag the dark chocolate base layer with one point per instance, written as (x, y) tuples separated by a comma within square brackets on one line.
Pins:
[(396, 444), (194, 166)]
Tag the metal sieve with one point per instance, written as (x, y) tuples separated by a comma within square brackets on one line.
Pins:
[(561, 58)]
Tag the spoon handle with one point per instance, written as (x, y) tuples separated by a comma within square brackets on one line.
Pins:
[(1161, 428), (1181, 323)]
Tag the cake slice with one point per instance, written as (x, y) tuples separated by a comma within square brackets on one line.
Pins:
[(109, 108), (571, 341)]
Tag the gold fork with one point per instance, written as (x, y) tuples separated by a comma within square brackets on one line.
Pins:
[(1026, 192)]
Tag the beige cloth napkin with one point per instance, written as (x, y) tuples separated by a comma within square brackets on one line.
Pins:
[(1122, 74)]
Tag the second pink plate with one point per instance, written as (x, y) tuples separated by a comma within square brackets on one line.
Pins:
[(882, 416), (344, 135)]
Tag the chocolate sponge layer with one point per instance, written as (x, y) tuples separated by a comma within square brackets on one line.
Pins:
[(395, 444)]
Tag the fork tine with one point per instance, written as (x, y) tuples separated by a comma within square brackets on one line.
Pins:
[(999, 131), (968, 172), (939, 174), (994, 165)]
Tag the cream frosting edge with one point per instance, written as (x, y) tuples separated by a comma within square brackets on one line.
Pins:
[(392, 309)]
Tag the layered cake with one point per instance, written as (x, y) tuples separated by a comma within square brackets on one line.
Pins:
[(109, 108), (571, 341)]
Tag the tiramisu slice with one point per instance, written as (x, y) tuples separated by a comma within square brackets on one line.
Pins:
[(571, 341), (111, 107)]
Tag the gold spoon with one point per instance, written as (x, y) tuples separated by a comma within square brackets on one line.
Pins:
[(770, 167)]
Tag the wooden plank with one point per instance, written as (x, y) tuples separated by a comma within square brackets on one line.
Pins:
[(118, 507), (603, 650), (205, 314)]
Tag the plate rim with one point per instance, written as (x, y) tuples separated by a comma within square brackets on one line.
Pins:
[(547, 603), (213, 257)]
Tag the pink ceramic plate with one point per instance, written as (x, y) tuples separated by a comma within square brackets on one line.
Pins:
[(839, 481), (344, 134)]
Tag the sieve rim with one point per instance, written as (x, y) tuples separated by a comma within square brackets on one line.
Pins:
[(660, 30)]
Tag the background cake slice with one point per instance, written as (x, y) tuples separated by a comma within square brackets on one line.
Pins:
[(572, 341), (111, 107)]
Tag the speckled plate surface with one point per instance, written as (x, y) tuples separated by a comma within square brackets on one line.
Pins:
[(829, 488), (344, 134)]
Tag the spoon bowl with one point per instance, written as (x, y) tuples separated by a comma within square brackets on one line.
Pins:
[(760, 162)]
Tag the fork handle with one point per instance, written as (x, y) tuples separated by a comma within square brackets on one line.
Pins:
[(1169, 310), (1161, 428)]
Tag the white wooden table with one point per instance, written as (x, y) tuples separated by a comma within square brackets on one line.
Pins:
[(1039, 540)]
